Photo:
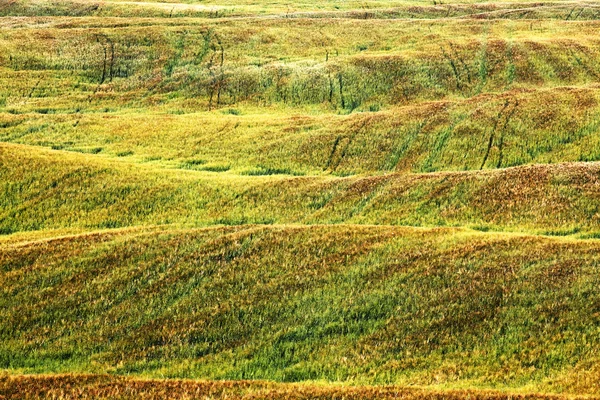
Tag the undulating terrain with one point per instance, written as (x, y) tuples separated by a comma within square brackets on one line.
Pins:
[(328, 199)]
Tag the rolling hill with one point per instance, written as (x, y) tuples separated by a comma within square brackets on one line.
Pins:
[(290, 200)]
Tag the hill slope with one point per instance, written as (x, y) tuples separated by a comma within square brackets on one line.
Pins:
[(54, 189), (359, 304)]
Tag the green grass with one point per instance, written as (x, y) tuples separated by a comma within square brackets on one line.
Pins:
[(363, 193), (276, 103), (374, 305)]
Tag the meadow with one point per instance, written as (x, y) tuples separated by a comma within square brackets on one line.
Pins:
[(335, 199)]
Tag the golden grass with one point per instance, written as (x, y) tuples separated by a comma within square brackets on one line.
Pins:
[(113, 387), (46, 189)]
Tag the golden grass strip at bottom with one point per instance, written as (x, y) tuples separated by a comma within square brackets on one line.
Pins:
[(73, 386)]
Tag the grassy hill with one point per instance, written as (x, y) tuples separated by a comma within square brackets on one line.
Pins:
[(46, 189), (307, 96), (373, 199), (361, 304)]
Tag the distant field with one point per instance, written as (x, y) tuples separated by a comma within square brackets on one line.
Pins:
[(291, 200), (514, 9)]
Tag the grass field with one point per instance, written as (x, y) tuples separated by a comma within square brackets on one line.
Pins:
[(292, 200)]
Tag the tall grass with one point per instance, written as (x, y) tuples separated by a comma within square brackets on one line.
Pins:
[(116, 89)]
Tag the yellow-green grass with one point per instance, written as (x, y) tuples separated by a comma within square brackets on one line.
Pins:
[(569, 10), (45, 189), (304, 97), (488, 131), (357, 304), (145, 62), (367, 193)]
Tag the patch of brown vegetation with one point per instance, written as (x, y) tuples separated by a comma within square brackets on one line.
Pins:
[(113, 387)]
